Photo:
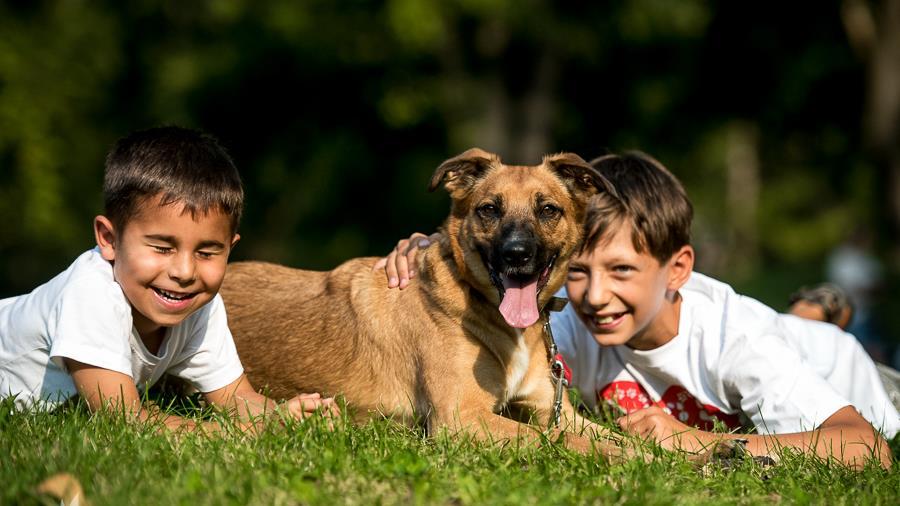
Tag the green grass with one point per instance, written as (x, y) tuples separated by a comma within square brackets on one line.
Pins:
[(381, 463)]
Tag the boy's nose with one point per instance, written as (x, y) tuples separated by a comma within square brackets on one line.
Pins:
[(598, 294), (182, 268)]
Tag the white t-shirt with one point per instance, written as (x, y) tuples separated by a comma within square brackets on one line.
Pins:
[(82, 314), (734, 360)]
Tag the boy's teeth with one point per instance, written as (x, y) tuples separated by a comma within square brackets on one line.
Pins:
[(605, 320), (170, 295)]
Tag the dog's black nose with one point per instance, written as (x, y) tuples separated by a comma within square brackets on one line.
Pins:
[(518, 253)]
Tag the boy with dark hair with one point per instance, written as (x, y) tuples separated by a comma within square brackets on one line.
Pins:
[(144, 302), (675, 352)]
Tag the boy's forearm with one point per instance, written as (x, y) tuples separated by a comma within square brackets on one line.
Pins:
[(251, 405), (242, 400), (845, 436), (850, 445), (175, 423)]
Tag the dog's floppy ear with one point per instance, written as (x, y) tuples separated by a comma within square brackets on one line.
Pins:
[(578, 175), (460, 172)]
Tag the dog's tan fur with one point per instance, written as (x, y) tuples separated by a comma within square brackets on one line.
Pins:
[(439, 350)]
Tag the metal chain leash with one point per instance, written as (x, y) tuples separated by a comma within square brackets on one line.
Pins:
[(557, 367)]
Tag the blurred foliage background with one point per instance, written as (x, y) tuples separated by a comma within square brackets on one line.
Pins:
[(780, 117)]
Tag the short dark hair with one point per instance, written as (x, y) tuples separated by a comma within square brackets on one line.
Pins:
[(649, 197), (181, 165)]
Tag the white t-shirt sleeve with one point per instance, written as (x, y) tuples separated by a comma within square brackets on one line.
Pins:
[(775, 388), (209, 360), (90, 323), (840, 358)]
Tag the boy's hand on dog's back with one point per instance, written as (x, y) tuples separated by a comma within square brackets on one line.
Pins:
[(399, 265)]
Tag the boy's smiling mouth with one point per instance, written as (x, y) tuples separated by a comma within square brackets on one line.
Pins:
[(174, 300), (607, 321)]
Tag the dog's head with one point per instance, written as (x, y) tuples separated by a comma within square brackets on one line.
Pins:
[(513, 228)]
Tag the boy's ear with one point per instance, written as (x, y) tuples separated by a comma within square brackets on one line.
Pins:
[(235, 239), (680, 267), (105, 234)]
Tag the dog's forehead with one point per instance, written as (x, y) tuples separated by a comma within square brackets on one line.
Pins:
[(522, 180)]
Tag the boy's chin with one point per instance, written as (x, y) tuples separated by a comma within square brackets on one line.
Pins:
[(170, 322), (161, 322), (609, 339)]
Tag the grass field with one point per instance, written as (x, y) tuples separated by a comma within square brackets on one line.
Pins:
[(382, 463)]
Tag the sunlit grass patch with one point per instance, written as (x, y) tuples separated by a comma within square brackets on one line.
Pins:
[(118, 462)]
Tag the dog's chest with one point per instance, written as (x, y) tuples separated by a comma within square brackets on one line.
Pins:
[(517, 368)]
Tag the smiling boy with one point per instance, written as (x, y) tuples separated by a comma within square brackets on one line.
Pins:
[(674, 351), (145, 301)]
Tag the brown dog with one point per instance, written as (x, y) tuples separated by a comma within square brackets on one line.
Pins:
[(460, 345)]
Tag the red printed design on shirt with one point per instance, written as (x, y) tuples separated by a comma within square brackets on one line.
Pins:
[(676, 401)]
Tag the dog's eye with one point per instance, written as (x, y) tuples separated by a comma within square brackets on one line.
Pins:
[(488, 211), (549, 211)]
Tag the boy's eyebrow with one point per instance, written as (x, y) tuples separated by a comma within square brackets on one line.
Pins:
[(210, 244), (172, 240), (576, 263), (160, 237)]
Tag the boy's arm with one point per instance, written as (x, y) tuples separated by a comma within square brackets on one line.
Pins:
[(247, 403), (845, 435), (105, 389)]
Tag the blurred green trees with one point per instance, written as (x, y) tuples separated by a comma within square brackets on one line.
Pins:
[(337, 113)]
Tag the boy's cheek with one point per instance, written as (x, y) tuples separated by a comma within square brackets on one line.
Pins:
[(214, 272), (220, 272), (575, 290)]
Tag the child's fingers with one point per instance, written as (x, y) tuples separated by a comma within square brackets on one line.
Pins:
[(389, 263), (311, 405), (392, 268), (327, 408), (402, 264), (406, 266), (417, 241), (399, 265), (331, 408), (630, 421), (304, 405), (635, 426)]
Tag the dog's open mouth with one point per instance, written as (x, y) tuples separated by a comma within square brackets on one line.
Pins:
[(519, 295)]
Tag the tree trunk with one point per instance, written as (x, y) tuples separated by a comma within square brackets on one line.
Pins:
[(873, 30), (742, 199)]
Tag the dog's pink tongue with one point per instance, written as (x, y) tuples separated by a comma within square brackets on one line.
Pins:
[(519, 304)]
